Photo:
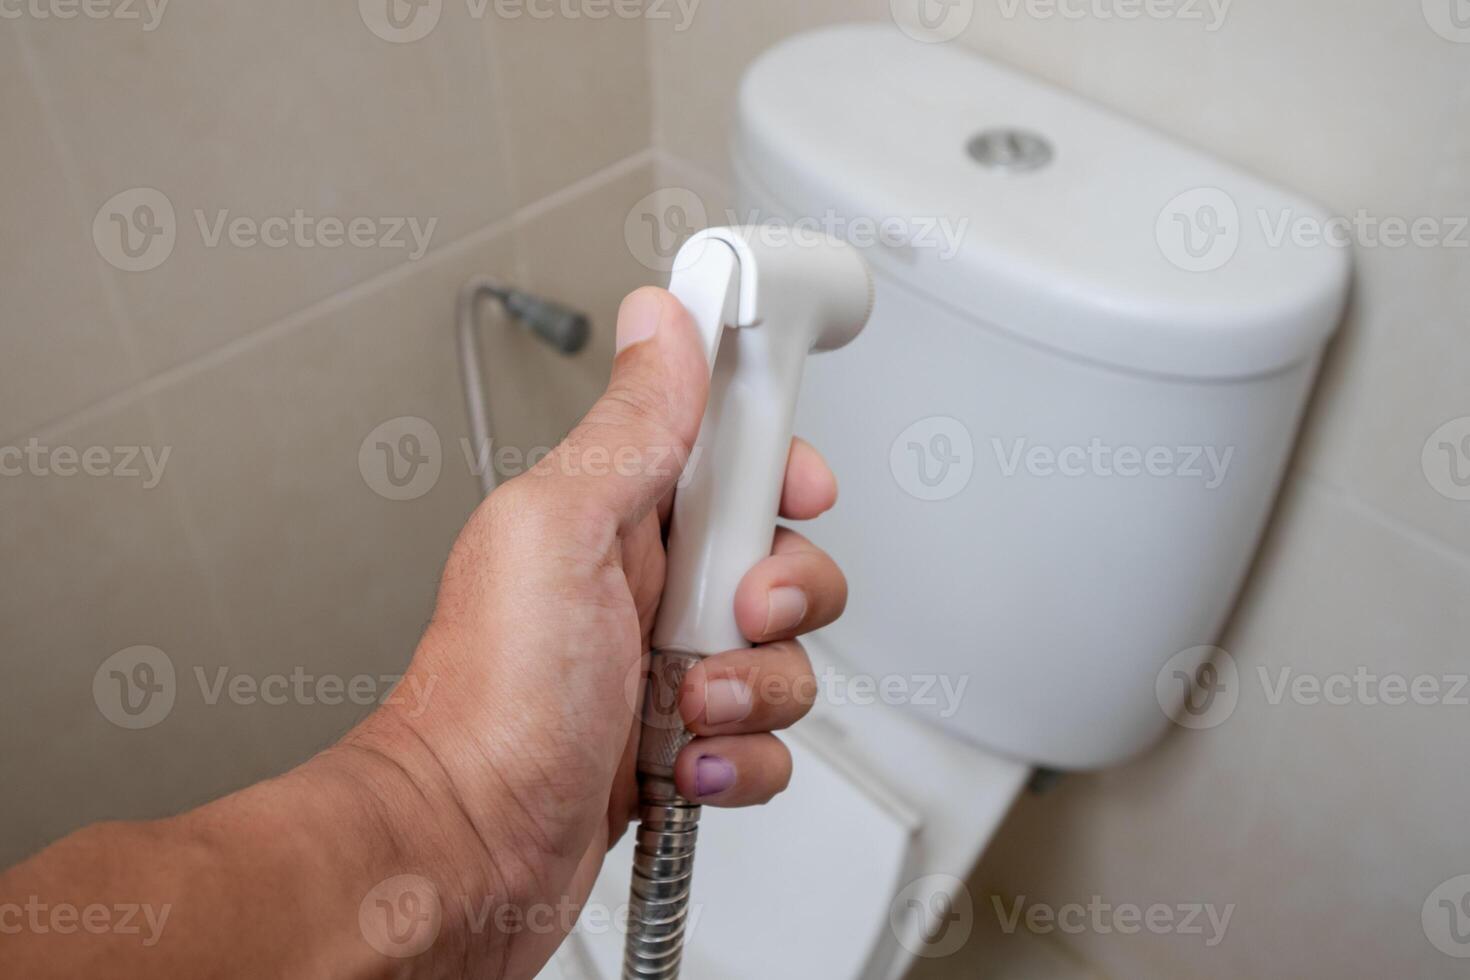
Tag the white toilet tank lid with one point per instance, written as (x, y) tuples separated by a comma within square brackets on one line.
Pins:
[(850, 127)]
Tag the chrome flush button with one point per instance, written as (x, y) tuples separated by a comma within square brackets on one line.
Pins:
[(1012, 150)]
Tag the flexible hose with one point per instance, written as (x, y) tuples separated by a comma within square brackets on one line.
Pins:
[(668, 827), (562, 328), (477, 406)]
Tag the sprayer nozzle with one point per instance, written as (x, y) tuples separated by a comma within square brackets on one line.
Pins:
[(563, 328)]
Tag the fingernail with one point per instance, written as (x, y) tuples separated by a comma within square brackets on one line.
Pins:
[(638, 319), (712, 775), (786, 608), (726, 699)]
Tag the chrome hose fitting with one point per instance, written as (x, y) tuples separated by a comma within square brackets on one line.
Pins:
[(668, 826)]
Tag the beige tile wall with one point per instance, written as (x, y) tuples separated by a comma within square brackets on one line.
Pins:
[(1327, 827), (263, 550), (263, 370)]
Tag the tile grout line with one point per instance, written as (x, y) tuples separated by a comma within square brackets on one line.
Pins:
[(578, 188), (123, 323), (689, 168), (75, 191), (295, 320), (653, 70), (498, 90), (1399, 527)]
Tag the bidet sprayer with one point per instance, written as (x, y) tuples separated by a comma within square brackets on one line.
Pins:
[(763, 298)]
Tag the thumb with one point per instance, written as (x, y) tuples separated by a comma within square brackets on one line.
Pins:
[(629, 449)]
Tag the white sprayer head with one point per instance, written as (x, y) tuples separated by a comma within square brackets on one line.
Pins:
[(809, 284)]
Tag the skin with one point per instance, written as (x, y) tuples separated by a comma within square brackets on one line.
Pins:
[(502, 799)]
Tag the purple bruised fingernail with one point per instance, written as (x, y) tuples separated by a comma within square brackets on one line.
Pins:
[(712, 775)]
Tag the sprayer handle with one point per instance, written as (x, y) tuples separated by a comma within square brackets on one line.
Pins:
[(762, 302), (763, 299)]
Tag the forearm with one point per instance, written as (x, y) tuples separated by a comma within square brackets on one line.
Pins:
[(295, 877)]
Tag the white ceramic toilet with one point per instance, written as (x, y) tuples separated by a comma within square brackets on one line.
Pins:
[(1059, 440)]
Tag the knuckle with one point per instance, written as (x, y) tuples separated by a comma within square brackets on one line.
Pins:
[(518, 510), (529, 515), (787, 688), (633, 402)]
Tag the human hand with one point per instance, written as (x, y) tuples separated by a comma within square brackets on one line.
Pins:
[(536, 652)]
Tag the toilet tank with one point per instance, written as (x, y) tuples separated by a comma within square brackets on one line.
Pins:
[(1061, 436)]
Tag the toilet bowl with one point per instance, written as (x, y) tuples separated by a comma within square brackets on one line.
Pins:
[(1059, 441)]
